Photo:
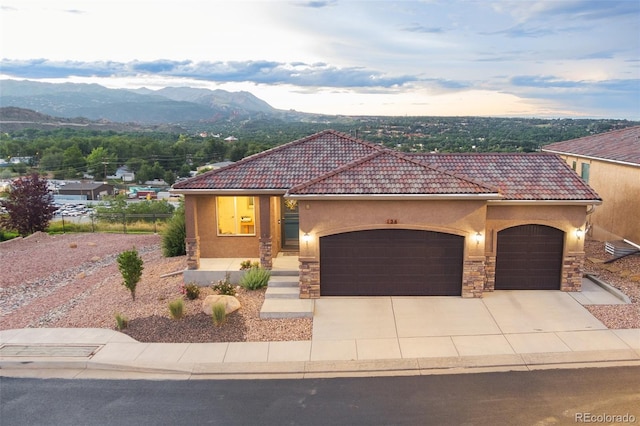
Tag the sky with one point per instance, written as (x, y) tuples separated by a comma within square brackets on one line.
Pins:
[(560, 58)]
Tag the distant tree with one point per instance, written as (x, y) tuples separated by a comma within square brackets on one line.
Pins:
[(99, 161), (29, 205)]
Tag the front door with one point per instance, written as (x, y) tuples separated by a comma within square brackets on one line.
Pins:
[(290, 224)]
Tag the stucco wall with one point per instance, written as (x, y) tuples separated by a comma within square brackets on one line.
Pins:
[(320, 218), (619, 187)]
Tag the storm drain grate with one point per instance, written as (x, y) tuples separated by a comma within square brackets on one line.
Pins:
[(48, 351)]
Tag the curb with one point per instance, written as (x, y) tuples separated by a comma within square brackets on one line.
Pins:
[(609, 288), (86, 369)]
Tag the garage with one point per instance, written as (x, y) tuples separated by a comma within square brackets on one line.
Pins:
[(391, 262), (529, 257)]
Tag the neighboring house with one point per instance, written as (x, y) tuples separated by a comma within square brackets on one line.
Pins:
[(123, 173), (87, 190), (610, 164), (366, 220)]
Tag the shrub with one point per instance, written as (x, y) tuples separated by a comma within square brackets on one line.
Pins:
[(173, 239), (176, 309), (225, 286), (218, 314), (192, 291), (121, 321), (130, 265), (255, 278), (247, 264)]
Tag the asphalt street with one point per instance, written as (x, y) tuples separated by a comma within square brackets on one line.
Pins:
[(513, 398)]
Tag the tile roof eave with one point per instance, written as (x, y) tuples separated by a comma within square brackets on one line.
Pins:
[(585, 202), (395, 197), (231, 191), (591, 157)]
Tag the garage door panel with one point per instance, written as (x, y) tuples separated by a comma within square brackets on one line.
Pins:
[(391, 262), (529, 257)]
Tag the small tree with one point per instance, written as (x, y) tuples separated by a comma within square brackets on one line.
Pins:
[(29, 205), (130, 265)]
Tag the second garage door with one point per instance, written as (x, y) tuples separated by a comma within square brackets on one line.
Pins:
[(391, 262), (529, 257)]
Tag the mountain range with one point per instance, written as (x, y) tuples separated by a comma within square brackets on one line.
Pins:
[(172, 105)]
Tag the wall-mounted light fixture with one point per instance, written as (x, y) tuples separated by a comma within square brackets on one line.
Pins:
[(306, 238), (579, 233), (478, 237)]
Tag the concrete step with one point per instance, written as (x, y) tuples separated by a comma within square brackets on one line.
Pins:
[(284, 281), (287, 308), (282, 293), (284, 272)]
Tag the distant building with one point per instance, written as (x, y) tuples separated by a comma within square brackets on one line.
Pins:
[(91, 190), (230, 139), (124, 174)]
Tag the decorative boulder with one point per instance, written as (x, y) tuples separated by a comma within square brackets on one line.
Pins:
[(231, 303)]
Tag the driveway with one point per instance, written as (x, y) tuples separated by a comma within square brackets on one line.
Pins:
[(500, 323)]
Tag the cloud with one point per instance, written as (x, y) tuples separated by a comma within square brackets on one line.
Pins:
[(258, 72), (418, 28), (316, 4)]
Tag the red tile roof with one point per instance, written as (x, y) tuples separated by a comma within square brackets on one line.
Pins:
[(618, 145), (334, 163), (520, 176), (286, 165), (390, 173)]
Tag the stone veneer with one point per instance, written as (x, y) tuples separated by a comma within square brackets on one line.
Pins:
[(473, 277), (266, 253), (490, 271), (309, 279), (192, 247), (572, 272)]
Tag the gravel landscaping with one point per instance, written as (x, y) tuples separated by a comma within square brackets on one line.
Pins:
[(72, 280)]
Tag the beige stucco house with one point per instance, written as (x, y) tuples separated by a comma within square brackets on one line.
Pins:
[(366, 220), (610, 164)]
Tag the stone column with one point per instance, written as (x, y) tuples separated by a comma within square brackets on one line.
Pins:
[(266, 241), (572, 272), (473, 276), (309, 279), (193, 252), (490, 271), (266, 256)]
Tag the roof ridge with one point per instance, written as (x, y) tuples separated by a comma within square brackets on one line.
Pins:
[(276, 149), (399, 155)]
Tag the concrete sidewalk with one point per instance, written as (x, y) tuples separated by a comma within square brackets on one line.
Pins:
[(505, 330)]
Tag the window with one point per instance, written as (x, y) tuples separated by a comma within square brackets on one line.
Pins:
[(584, 174), (236, 216), (573, 166)]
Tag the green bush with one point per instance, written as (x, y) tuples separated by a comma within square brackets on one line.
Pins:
[(255, 278), (218, 314), (192, 291), (121, 321), (176, 309), (225, 286), (130, 265), (173, 239)]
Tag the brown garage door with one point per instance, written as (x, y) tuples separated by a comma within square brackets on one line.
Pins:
[(391, 262), (529, 257)]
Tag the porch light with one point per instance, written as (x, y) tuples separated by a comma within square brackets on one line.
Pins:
[(478, 237), (306, 237), (579, 233)]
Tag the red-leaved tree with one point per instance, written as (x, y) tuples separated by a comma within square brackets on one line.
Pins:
[(29, 205)]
